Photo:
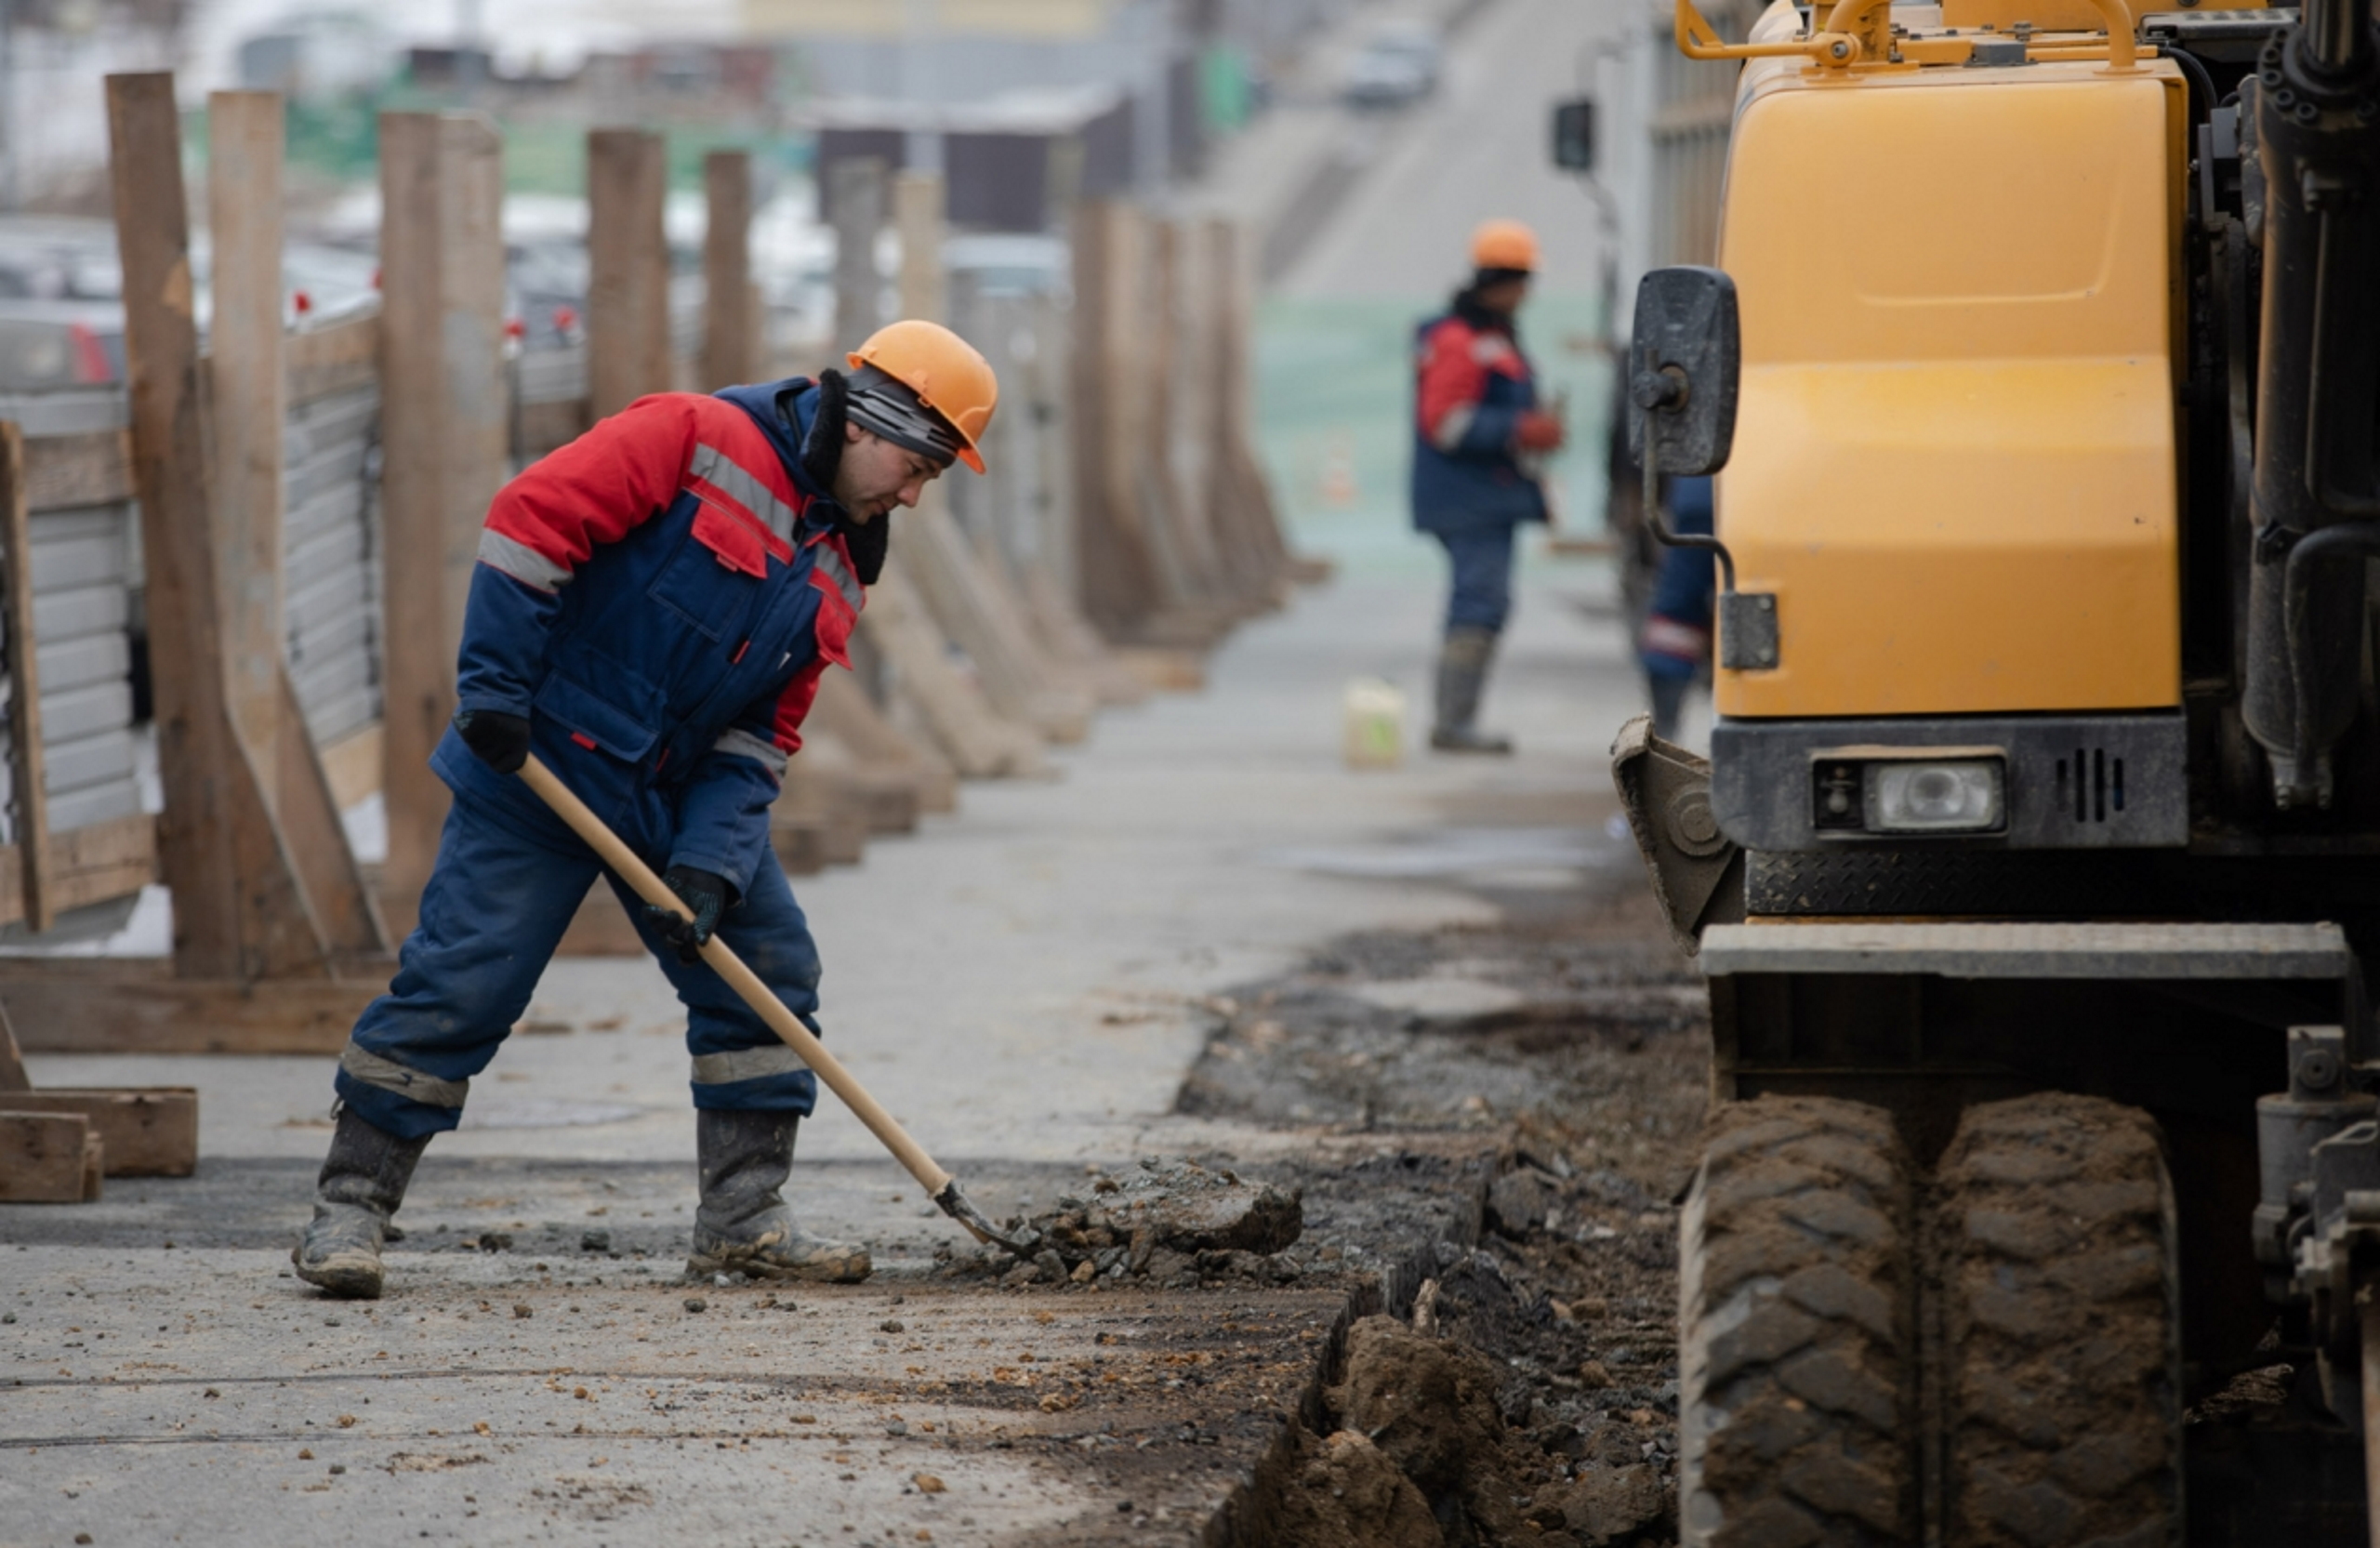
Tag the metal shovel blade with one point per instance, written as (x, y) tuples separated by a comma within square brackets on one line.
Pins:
[(954, 1204)]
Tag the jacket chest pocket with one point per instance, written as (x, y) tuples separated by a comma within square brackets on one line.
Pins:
[(713, 578)]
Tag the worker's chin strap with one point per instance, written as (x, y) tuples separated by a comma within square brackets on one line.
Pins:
[(821, 456)]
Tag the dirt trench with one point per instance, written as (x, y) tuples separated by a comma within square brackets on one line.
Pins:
[(1525, 1388)]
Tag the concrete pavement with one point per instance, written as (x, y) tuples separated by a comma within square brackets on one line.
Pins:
[(1020, 982)]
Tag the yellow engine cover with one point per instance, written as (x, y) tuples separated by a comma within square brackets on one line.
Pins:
[(1954, 453)]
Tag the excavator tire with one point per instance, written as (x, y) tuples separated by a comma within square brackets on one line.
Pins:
[(1797, 1370), (2054, 1237)]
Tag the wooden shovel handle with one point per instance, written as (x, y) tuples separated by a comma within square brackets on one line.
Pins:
[(743, 980)]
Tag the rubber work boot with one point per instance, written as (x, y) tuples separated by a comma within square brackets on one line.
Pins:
[(742, 1225), (364, 1181), (1462, 677)]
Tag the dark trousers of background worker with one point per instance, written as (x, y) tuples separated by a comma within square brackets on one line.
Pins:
[(1673, 647), (1478, 601)]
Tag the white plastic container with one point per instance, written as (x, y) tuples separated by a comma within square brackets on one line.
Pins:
[(1373, 731)]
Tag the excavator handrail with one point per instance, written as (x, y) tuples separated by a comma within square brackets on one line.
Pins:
[(1697, 39)]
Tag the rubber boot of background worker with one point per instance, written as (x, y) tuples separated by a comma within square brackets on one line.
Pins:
[(1478, 440), (1673, 648), (363, 1182), (742, 1225)]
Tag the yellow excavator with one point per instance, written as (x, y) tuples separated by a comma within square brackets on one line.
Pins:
[(2035, 864)]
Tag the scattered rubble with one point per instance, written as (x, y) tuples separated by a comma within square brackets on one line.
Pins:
[(1171, 1221)]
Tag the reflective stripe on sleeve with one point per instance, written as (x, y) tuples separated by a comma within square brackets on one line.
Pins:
[(830, 565), (743, 744), (390, 1076), (745, 1063), (1452, 426), (730, 478), (520, 562)]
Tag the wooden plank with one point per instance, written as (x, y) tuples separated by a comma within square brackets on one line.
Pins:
[(343, 904), (28, 769), (916, 215), (144, 1012), (979, 743), (45, 1158), (844, 711), (145, 1131), (65, 472), (88, 864), (247, 408), (730, 347), (353, 765), (12, 1063), (340, 358), (1117, 571), (444, 428), (627, 259), (238, 910), (857, 191)]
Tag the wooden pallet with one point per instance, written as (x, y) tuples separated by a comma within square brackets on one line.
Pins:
[(55, 1144)]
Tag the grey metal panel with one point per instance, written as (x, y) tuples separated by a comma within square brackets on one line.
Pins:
[(71, 412), (98, 805), (79, 548), (86, 711), (1761, 777), (70, 664), (2024, 950), (87, 762), (84, 610), (329, 576), (334, 507), (332, 717)]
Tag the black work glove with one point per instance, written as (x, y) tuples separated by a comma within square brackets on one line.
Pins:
[(707, 897), (500, 739)]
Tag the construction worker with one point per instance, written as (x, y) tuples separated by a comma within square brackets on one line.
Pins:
[(652, 611), (1673, 647), (1478, 439)]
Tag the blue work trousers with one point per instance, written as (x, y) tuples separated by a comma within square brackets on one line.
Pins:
[(504, 889), (1481, 596)]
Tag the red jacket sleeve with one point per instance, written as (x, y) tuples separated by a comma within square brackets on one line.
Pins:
[(545, 523)]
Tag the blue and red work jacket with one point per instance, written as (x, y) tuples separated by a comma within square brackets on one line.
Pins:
[(661, 597), (1471, 386)]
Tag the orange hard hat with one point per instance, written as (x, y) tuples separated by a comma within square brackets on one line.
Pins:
[(944, 371), (1504, 245)]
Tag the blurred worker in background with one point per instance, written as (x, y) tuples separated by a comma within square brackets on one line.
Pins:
[(1479, 440), (1675, 645), (652, 611)]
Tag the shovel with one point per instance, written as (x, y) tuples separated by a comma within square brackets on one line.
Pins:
[(940, 1184)]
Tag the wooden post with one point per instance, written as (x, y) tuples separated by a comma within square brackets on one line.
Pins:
[(248, 405), (730, 321), (628, 279), (858, 188), (917, 214), (238, 910), (1119, 576), (442, 435), (28, 770)]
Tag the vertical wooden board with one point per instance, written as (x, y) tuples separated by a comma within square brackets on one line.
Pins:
[(731, 320), (476, 446), (1118, 579), (43, 1156), (238, 911), (12, 1063), (28, 770), (628, 315), (857, 188), (247, 405), (917, 216), (444, 419), (344, 906), (417, 660)]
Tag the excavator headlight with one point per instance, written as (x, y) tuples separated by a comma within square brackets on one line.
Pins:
[(1961, 796)]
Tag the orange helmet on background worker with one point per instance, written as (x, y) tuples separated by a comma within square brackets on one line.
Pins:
[(1505, 245), (942, 374)]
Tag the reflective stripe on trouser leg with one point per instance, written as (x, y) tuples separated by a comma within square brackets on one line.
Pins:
[(496, 906), (739, 1063)]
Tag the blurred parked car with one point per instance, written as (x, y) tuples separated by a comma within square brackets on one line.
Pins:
[(1396, 65), (50, 344)]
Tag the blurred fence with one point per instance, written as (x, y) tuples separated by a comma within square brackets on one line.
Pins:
[(1123, 527)]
